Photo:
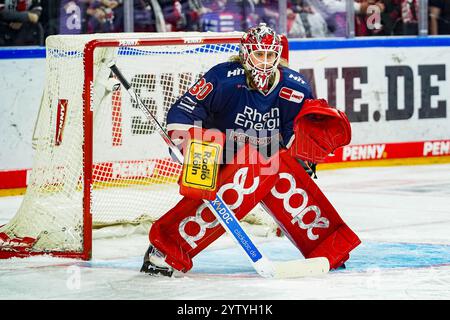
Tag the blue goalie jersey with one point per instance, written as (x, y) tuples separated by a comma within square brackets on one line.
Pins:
[(223, 100)]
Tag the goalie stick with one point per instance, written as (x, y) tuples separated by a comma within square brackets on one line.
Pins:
[(262, 265)]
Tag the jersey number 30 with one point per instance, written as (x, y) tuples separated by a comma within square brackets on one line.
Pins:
[(201, 89)]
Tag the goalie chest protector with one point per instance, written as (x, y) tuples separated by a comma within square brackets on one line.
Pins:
[(223, 100)]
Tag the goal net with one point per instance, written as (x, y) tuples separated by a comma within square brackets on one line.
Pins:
[(98, 160)]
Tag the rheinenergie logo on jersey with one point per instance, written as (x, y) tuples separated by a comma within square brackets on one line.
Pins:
[(252, 119)]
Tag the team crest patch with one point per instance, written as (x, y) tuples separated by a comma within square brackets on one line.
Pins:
[(291, 95)]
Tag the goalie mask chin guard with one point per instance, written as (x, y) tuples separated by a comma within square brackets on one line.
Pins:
[(260, 54)]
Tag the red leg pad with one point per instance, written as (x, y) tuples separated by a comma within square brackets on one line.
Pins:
[(190, 226), (307, 217)]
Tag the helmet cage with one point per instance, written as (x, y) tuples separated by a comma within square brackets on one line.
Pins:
[(262, 65)]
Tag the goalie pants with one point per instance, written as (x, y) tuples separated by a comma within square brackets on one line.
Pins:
[(283, 188)]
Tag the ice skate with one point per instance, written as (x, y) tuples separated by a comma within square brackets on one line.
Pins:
[(154, 263)]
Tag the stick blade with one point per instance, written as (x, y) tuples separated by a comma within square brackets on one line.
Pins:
[(301, 268)]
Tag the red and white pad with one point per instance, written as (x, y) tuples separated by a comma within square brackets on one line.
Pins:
[(190, 227), (306, 216)]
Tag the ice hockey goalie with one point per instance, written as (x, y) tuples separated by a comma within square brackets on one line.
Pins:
[(248, 130)]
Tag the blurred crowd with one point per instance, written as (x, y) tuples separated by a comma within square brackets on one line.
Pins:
[(324, 18), (28, 22)]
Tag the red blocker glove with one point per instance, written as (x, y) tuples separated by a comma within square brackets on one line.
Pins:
[(319, 130), (202, 151)]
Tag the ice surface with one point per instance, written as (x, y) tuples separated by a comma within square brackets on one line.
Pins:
[(401, 214)]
